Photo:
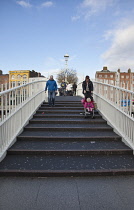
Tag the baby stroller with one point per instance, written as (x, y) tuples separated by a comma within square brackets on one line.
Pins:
[(88, 104)]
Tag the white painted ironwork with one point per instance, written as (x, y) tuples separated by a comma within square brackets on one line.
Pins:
[(17, 106), (4, 87), (117, 106)]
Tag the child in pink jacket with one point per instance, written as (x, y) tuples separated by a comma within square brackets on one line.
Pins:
[(88, 103)]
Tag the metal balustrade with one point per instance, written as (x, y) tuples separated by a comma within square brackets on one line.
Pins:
[(17, 106), (117, 106)]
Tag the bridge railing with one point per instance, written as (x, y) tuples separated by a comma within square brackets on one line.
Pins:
[(117, 106), (17, 106)]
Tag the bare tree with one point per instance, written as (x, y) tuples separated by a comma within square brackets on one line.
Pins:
[(69, 74)]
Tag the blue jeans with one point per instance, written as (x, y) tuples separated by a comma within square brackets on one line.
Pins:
[(51, 97)]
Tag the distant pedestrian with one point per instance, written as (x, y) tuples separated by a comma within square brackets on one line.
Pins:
[(74, 89), (63, 87), (51, 85), (69, 89), (87, 86)]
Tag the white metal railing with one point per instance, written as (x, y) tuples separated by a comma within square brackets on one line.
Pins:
[(17, 105), (117, 106), (4, 86)]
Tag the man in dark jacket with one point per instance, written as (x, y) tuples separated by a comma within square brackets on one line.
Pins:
[(74, 89), (51, 85), (87, 86)]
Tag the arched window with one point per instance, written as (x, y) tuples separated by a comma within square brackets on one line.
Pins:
[(24, 76), (18, 76), (13, 76)]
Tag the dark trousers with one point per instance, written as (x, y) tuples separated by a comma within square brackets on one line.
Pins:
[(74, 92), (64, 91)]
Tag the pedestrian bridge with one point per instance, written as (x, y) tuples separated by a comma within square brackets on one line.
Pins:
[(19, 105)]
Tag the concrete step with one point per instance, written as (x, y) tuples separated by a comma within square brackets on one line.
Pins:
[(64, 102), (63, 105), (61, 108), (64, 121), (60, 115), (66, 111), (68, 98), (69, 133), (67, 129), (66, 125), (70, 146), (62, 165), (54, 136), (69, 152)]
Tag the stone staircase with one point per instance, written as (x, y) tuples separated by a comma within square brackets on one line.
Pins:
[(59, 141)]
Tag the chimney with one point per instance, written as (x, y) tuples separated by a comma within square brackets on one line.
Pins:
[(104, 68)]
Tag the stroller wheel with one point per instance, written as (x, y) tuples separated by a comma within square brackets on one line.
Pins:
[(93, 114)]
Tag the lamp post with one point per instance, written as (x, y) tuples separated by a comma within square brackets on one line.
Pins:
[(66, 56)]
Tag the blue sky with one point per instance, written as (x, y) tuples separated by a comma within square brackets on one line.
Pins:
[(36, 34)]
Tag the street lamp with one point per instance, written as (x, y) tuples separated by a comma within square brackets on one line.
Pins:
[(66, 56)]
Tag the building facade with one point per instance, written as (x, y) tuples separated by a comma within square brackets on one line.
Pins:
[(121, 79), (4, 81), (18, 77)]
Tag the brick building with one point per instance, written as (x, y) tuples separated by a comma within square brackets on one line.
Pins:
[(121, 79), (4, 80)]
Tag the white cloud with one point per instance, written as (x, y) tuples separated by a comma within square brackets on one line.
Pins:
[(96, 4), (89, 8), (51, 62), (74, 18), (47, 4), (24, 4), (121, 53)]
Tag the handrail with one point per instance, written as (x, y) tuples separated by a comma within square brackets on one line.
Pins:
[(116, 106), (20, 86), (17, 106)]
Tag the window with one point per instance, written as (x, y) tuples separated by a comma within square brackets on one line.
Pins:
[(18, 76), (13, 76), (127, 77), (18, 83), (24, 76), (105, 76), (13, 84), (111, 76), (122, 76), (100, 76)]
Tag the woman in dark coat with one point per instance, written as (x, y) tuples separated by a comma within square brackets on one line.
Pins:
[(87, 87)]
